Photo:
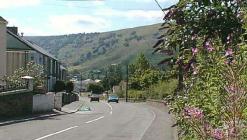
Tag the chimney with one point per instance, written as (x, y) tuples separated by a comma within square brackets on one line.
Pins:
[(13, 30), (3, 47)]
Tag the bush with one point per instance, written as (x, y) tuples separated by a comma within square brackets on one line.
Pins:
[(59, 86), (69, 87), (32, 69), (137, 95), (162, 90), (121, 93)]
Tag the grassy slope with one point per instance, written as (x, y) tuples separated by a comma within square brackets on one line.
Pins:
[(120, 46)]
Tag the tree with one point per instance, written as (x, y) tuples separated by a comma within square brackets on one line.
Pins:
[(113, 76), (142, 75)]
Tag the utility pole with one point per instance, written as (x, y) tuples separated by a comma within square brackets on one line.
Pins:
[(81, 83), (127, 82)]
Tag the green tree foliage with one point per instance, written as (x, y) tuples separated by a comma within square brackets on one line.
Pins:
[(113, 76), (142, 74), (34, 70)]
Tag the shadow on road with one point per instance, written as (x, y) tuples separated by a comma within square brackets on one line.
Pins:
[(33, 117)]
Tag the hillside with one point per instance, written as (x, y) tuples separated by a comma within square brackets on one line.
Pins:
[(84, 52)]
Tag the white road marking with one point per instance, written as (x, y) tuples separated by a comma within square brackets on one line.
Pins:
[(109, 107), (154, 117), (95, 119), (41, 138)]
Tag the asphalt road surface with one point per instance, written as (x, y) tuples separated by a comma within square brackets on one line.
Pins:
[(122, 121)]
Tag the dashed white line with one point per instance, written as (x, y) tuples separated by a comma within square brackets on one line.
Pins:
[(95, 119), (41, 138)]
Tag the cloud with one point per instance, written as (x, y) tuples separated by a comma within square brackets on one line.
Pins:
[(17, 3), (132, 14), (66, 24), (149, 1)]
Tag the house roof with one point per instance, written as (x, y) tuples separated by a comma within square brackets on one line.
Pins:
[(3, 20), (11, 45), (15, 43), (42, 51)]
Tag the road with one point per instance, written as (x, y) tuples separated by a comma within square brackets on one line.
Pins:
[(122, 121)]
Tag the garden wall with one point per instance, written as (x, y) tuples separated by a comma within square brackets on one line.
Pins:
[(15, 103), (43, 102), (58, 100)]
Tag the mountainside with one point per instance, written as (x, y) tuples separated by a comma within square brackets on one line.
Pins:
[(84, 52)]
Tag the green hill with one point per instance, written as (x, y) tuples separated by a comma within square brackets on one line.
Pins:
[(85, 52)]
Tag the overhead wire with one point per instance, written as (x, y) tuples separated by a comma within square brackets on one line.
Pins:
[(156, 1)]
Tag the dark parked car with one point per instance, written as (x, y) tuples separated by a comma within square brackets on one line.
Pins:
[(94, 97), (113, 98)]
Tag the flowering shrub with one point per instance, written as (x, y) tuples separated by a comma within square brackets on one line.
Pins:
[(34, 70), (208, 44)]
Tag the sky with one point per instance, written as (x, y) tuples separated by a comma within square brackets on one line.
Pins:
[(58, 17)]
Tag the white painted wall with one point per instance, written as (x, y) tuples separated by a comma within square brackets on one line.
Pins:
[(43, 102), (58, 100)]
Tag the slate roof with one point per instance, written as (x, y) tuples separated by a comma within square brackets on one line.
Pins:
[(3, 20), (32, 45)]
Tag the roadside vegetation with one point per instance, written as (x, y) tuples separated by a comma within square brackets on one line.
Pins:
[(206, 42)]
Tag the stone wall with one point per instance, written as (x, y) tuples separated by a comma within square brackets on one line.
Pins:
[(16, 104)]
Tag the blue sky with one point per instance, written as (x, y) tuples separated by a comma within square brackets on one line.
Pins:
[(56, 17)]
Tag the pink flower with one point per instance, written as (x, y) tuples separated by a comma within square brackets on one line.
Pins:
[(218, 134), (193, 112), (194, 37), (233, 132), (231, 89), (208, 45), (229, 52), (194, 51)]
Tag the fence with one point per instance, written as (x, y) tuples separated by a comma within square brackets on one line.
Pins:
[(5, 88)]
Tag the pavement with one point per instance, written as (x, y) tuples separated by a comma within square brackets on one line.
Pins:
[(73, 107), (114, 121)]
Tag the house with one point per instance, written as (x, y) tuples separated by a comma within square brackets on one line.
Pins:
[(3, 41), (16, 52)]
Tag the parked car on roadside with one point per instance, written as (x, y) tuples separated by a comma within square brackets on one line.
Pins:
[(94, 97), (113, 98)]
